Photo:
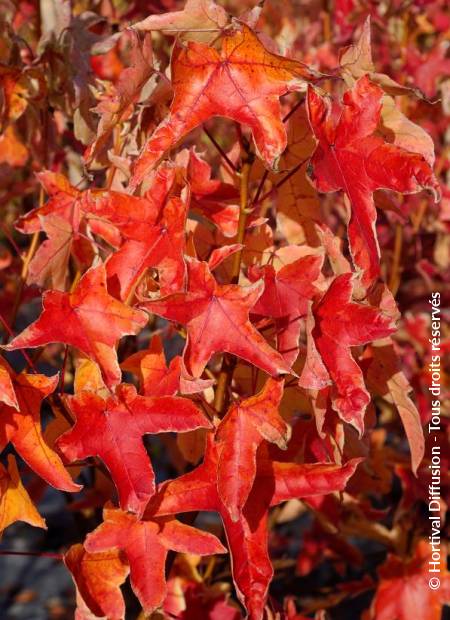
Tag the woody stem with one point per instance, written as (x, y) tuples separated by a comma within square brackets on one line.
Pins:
[(228, 361)]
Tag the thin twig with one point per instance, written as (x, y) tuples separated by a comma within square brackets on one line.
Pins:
[(282, 181), (221, 151), (38, 554), (229, 361), (10, 238), (9, 333)]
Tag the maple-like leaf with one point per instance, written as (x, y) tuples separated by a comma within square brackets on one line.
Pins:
[(112, 429), (242, 430), (243, 82), (22, 427), (88, 318), (152, 228), (145, 545), (339, 325), (98, 577), (61, 198), (63, 219), (404, 591), (275, 482), (75, 206), (216, 317), (15, 503), (352, 157), (49, 265), (285, 298)]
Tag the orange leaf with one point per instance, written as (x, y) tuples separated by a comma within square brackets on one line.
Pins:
[(15, 503)]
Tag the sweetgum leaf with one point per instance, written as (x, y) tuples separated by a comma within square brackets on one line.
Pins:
[(145, 545), (275, 482), (99, 431), (339, 325), (216, 318), (243, 82), (88, 318), (22, 427), (351, 156)]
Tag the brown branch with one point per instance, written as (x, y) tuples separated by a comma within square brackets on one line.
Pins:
[(229, 361), (36, 554), (221, 151)]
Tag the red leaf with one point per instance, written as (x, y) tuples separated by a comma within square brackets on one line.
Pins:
[(145, 544), (239, 435), (216, 317), (247, 538), (7, 393), (404, 591), (99, 431), (285, 298), (350, 156), (88, 318), (163, 248), (339, 325), (155, 378), (243, 82)]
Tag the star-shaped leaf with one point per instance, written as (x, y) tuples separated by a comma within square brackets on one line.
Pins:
[(285, 298), (88, 318), (112, 429), (216, 317), (243, 82), (275, 482), (351, 156), (163, 248), (239, 435), (339, 325), (146, 544)]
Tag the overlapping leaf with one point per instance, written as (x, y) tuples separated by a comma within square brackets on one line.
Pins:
[(216, 317), (21, 426), (339, 325), (99, 431), (88, 318), (347, 137), (145, 545), (275, 482), (242, 82)]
